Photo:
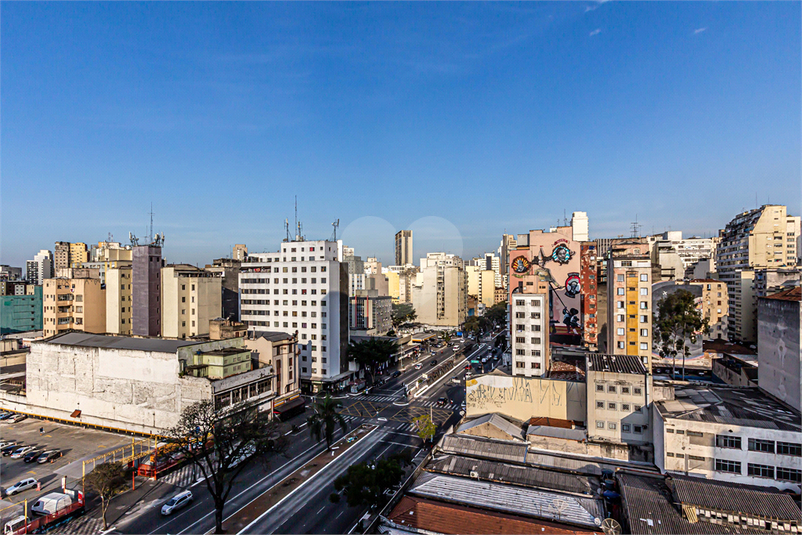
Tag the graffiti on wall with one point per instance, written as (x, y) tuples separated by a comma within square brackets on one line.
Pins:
[(525, 397)]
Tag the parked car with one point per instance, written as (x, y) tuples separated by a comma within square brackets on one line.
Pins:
[(8, 450), (396, 374), (14, 419), (31, 456), (49, 456), (6, 415), (21, 452), (21, 485), (5, 443), (433, 362), (182, 499)]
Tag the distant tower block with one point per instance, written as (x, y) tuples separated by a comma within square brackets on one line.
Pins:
[(403, 247), (579, 224)]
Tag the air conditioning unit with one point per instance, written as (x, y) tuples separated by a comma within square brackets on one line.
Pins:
[(474, 474)]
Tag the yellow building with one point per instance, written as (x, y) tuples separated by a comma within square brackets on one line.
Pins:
[(190, 298), (118, 300), (78, 254), (393, 281), (73, 303)]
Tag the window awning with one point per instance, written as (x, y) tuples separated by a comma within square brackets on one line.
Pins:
[(76, 413)]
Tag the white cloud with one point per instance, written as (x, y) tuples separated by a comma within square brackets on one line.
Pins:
[(699, 30), (597, 31), (594, 6)]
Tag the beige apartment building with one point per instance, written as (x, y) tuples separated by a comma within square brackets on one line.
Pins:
[(279, 350), (190, 298), (482, 284), (629, 300), (78, 254), (715, 306), (439, 292), (74, 302), (765, 237), (111, 251), (118, 300)]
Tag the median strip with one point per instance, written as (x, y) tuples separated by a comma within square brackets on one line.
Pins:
[(250, 513)]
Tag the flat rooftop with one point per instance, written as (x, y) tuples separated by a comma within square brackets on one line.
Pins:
[(748, 407), (81, 339)]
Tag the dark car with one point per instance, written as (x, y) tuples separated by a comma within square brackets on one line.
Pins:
[(433, 362), (48, 456), (396, 374), (32, 456), (8, 450), (467, 366), (441, 401)]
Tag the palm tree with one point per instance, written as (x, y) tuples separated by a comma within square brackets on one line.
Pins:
[(324, 418), (446, 336)]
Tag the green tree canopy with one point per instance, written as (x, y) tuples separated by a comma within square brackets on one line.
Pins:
[(372, 353), (364, 484), (424, 427), (677, 321), (403, 313), (324, 419), (497, 314)]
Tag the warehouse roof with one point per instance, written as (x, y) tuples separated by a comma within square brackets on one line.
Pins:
[(500, 450), (499, 472), (647, 504), (82, 339), (557, 432), (598, 362), (586, 512), (496, 421), (736, 498), (272, 336)]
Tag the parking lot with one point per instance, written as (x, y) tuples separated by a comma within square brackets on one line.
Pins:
[(77, 444)]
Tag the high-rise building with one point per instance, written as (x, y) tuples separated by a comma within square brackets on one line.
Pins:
[(190, 298), (146, 272), (303, 289), (240, 252), (119, 303), (20, 307), (439, 291), (8, 273), (677, 257), (508, 243), (108, 251), (403, 248), (228, 270), (629, 300), (78, 254), (74, 301), (579, 226), (61, 255), (492, 262), (40, 268), (370, 313), (761, 238)]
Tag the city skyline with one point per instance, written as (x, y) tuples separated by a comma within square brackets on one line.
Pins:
[(422, 117)]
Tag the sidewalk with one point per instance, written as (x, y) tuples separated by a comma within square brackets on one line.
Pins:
[(242, 518)]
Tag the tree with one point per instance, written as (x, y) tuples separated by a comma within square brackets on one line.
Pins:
[(497, 314), (676, 321), (425, 427), (372, 353), (221, 443), (364, 484), (324, 419), (446, 336), (403, 313), (106, 480)]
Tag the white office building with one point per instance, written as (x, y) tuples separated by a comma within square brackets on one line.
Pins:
[(529, 326), (40, 268), (303, 289)]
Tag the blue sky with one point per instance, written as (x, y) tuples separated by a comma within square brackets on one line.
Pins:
[(458, 120)]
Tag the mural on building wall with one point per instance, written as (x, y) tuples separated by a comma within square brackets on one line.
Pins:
[(525, 397), (573, 285), (561, 253)]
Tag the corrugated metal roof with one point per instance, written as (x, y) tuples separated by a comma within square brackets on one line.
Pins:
[(598, 362), (496, 421), (486, 448), (521, 501), (526, 476), (793, 294), (272, 336), (648, 509), (121, 342), (734, 498), (557, 432)]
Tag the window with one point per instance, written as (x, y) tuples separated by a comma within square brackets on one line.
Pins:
[(599, 388), (760, 470), (638, 391), (789, 448), (644, 305), (625, 428), (519, 302), (638, 429), (728, 441), (620, 331), (619, 304), (625, 407), (611, 389), (644, 291), (669, 454), (766, 446), (535, 340), (599, 425), (637, 408), (625, 390), (644, 332), (644, 319), (733, 467), (644, 345), (611, 426), (520, 364), (789, 474), (535, 365), (620, 345), (644, 277), (619, 277), (611, 406), (619, 291), (536, 302), (599, 404), (695, 434)]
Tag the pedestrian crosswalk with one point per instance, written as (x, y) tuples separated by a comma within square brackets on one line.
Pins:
[(83, 525), (404, 427), (183, 477), (433, 404), (379, 398)]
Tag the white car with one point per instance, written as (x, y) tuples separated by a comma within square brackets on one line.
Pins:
[(21, 485), (178, 501), (418, 366), (22, 452)]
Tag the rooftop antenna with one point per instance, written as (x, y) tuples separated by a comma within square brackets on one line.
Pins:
[(565, 218), (336, 225), (287, 229), (635, 227), (150, 236), (296, 218)]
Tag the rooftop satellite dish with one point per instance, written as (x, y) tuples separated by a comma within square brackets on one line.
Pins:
[(610, 526)]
